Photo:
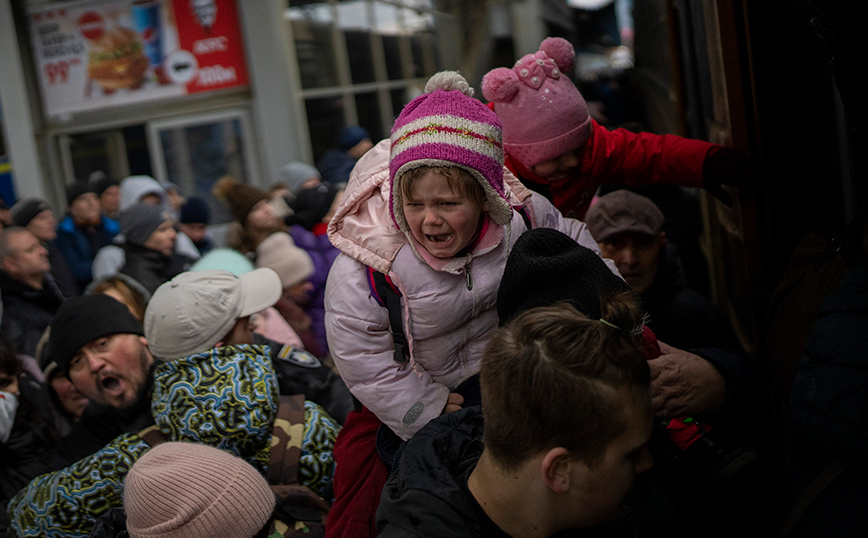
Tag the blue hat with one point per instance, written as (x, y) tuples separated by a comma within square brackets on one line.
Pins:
[(351, 136), (195, 210)]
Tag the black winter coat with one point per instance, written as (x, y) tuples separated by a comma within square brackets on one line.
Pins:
[(27, 311)]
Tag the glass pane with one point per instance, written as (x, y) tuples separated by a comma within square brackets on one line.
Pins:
[(418, 44), (198, 155), (368, 109), (136, 143), (398, 101), (360, 56), (311, 28), (392, 49), (325, 118), (90, 152)]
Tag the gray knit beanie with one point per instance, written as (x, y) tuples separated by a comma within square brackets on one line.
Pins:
[(140, 220)]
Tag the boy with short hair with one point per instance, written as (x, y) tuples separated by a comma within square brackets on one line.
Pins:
[(567, 415)]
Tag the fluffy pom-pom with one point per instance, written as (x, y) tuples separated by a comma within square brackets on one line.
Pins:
[(561, 51), (221, 190), (500, 85), (448, 81)]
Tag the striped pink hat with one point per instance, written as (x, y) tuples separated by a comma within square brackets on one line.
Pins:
[(446, 126)]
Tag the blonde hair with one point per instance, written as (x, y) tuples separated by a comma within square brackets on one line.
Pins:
[(459, 179)]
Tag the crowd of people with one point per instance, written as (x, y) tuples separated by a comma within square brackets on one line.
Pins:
[(451, 332)]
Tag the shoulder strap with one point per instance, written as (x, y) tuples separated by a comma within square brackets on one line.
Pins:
[(387, 294), (521, 210), (153, 436)]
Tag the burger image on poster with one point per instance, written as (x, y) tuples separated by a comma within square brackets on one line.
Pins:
[(117, 60)]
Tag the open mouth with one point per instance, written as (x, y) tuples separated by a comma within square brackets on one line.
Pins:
[(442, 238), (111, 384)]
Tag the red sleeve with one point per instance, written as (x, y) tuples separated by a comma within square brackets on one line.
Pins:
[(622, 156)]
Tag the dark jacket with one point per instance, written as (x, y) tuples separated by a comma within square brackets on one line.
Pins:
[(62, 275), (29, 450), (27, 311), (80, 245), (151, 268), (427, 495), (829, 414), (335, 166)]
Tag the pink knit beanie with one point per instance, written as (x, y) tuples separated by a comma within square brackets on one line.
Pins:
[(446, 126), (185, 490), (542, 111)]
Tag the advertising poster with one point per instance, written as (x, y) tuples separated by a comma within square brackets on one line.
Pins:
[(98, 54)]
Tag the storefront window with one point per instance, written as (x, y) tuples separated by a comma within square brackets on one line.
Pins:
[(360, 59)]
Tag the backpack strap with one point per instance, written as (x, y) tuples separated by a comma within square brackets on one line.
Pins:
[(521, 210), (153, 436), (387, 294)]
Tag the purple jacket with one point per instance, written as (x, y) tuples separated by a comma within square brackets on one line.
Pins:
[(323, 254)]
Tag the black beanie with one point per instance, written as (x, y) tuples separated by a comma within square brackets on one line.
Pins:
[(26, 210), (76, 189), (82, 319), (100, 182), (311, 205), (546, 267)]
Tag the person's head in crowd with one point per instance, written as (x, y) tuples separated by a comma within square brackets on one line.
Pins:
[(297, 176), (200, 310), (445, 185), (545, 119), (248, 204), (124, 289), (83, 204), (545, 267), (628, 228), (314, 207), (355, 140), (194, 218), (36, 215), (63, 392), (101, 347), (145, 189), (176, 199), (567, 412), (108, 190), (22, 256), (188, 490), (291, 263), (5, 214), (226, 259), (149, 226)]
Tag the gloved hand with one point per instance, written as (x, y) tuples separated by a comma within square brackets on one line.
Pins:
[(726, 166)]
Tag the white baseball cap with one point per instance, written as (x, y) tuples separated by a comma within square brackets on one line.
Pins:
[(192, 312)]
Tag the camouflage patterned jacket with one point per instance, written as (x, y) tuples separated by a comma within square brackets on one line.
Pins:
[(226, 397)]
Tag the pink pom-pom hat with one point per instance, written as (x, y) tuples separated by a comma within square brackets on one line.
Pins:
[(542, 111)]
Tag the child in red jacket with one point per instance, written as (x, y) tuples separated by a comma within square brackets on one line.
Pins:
[(554, 146)]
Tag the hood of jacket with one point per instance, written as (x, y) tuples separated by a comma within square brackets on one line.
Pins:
[(427, 494), (225, 397), (362, 226), (134, 187)]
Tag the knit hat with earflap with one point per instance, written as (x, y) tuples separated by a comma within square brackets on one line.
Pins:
[(542, 111), (186, 490), (240, 198), (291, 263), (446, 126), (546, 267)]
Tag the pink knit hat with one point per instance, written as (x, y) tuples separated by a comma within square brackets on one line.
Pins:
[(185, 490), (542, 111), (446, 126)]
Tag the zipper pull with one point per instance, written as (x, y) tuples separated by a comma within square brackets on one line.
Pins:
[(467, 274)]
